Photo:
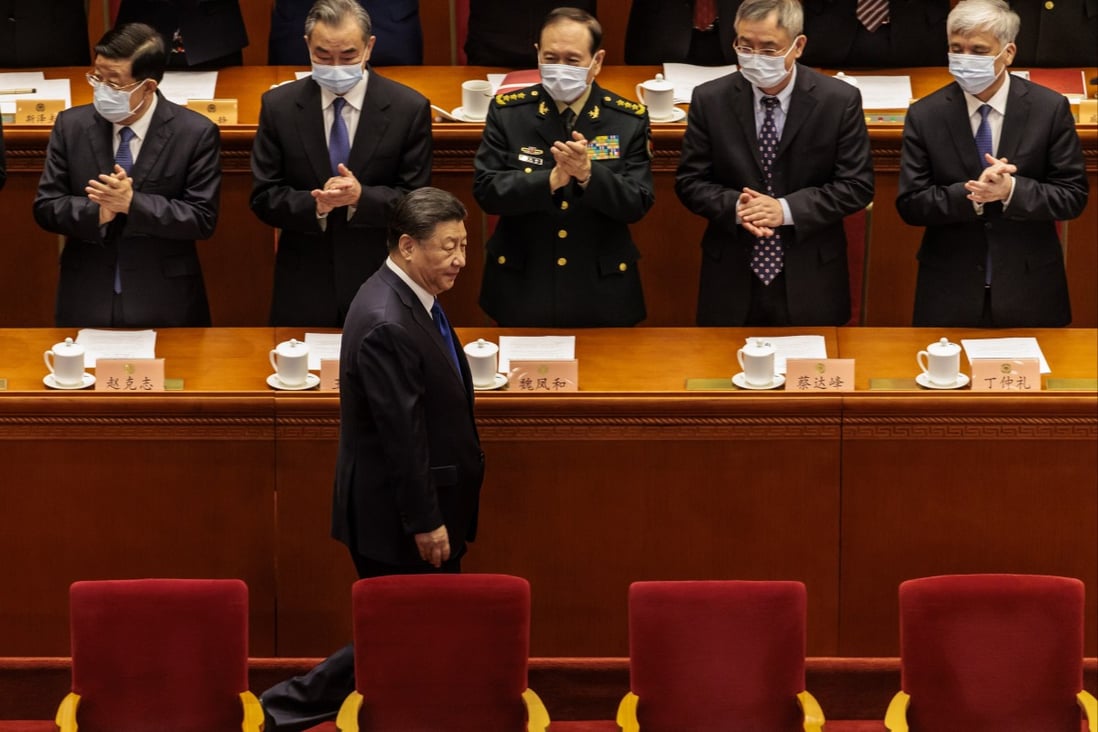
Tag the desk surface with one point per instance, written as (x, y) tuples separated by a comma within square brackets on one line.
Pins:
[(626, 360)]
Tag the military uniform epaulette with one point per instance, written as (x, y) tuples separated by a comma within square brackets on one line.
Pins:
[(623, 105), (522, 96)]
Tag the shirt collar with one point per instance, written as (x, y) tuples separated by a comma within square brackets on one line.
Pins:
[(783, 96), (998, 100), (425, 298), (354, 97), (141, 126)]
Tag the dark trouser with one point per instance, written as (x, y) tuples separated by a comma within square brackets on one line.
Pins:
[(315, 697), (769, 303)]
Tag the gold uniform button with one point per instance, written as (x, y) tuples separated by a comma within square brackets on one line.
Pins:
[(561, 262), (527, 170), (622, 267), (562, 234), (502, 259), (564, 205), (1050, 5)]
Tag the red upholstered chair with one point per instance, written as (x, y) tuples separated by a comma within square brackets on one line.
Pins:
[(717, 656), (445, 653), (858, 227), (991, 652), (167, 655)]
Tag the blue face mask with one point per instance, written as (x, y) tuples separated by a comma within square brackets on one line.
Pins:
[(338, 79), (113, 105), (974, 73)]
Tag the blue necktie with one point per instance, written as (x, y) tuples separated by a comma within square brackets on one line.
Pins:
[(983, 136), (766, 257), (339, 147), (443, 326), (124, 159)]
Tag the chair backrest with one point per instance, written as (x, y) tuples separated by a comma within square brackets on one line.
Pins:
[(442, 652), (858, 227), (717, 655), (164, 654), (987, 652)]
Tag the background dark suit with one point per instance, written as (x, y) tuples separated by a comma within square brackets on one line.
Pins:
[(395, 23), (503, 32), (661, 30), (318, 272), (1062, 35), (823, 169), (409, 455), (37, 33), (213, 30), (176, 183), (1028, 284), (914, 36)]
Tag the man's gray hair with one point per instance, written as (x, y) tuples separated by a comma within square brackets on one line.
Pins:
[(790, 13), (334, 12), (984, 16), (419, 212)]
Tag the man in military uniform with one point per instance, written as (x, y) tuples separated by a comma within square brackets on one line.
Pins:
[(565, 164)]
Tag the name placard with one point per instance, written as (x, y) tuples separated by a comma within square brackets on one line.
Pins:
[(544, 377), (1088, 112), (218, 111), (37, 111), (329, 374), (129, 375), (819, 374), (1006, 374)]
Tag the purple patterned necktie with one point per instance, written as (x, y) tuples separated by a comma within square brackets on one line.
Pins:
[(766, 257), (339, 147)]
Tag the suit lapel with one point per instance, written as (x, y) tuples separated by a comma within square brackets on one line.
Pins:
[(802, 103), (310, 124), (959, 128), (160, 132), (373, 121), (549, 127), (589, 120), (1015, 120), (100, 133), (423, 319), (743, 108)]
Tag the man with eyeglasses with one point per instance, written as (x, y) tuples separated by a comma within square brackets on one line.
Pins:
[(130, 181), (989, 164), (774, 156), (333, 154)]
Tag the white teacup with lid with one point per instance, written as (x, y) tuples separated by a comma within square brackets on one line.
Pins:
[(659, 96), (757, 361), (290, 360), (66, 362), (941, 362), (481, 355)]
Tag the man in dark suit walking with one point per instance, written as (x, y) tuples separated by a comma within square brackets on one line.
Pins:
[(774, 156), (410, 466), (989, 164), (131, 181), (332, 155)]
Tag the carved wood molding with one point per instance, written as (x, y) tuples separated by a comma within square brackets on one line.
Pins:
[(970, 428), (182, 427)]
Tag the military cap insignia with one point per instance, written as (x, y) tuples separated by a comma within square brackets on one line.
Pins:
[(543, 109)]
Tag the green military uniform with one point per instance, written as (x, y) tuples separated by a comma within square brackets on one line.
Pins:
[(563, 259)]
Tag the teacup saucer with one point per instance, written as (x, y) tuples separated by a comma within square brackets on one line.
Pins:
[(311, 381), (740, 380), (677, 115), (501, 380), (86, 380), (924, 381), (458, 113)]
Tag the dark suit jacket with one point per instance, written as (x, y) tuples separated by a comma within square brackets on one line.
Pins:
[(823, 169), (177, 182), (409, 455), (503, 32), (661, 30), (1028, 283), (318, 272), (914, 36), (565, 259), (212, 29), (1059, 36), (395, 23), (37, 33)]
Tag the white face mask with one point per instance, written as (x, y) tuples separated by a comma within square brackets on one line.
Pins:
[(974, 73), (338, 79), (563, 82), (113, 105), (765, 72)]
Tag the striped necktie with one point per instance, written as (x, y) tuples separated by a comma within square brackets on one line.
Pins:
[(872, 14)]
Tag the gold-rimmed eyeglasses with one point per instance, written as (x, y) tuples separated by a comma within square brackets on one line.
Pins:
[(94, 81)]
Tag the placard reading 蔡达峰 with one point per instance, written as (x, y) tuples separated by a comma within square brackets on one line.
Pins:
[(817, 375)]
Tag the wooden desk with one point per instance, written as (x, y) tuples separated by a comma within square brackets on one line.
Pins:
[(238, 261), (633, 478)]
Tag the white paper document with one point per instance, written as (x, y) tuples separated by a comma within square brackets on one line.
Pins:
[(116, 344), (322, 347), (684, 77), (1005, 348), (24, 82), (535, 348), (786, 347), (883, 92), (179, 86)]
